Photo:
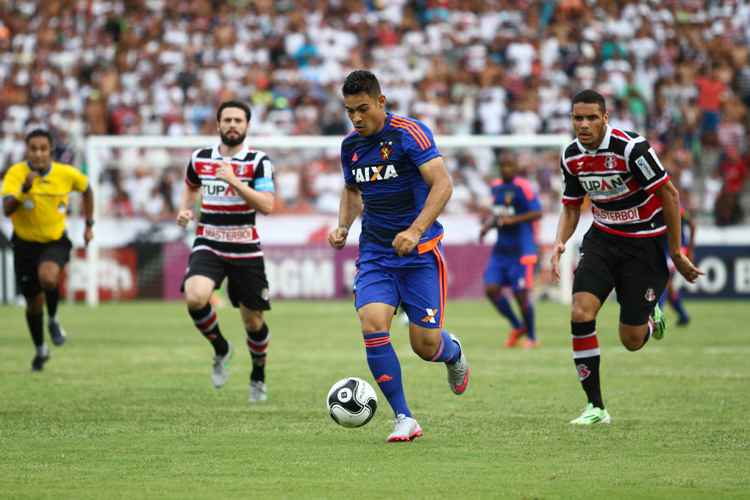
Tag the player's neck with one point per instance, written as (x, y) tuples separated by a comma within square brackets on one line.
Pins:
[(41, 172), (230, 151)]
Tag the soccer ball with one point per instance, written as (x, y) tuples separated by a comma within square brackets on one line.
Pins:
[(352, 402)]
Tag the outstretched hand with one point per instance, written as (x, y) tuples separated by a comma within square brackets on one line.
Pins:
[(686, 268), (559, 249)]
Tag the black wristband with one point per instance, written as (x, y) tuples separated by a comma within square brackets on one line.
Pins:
[(89, 222), (25, 189)]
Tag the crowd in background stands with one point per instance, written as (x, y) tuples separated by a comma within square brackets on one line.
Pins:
[(676, 71)]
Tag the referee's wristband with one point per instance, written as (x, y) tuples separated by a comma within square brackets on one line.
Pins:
[(89, 222), (25, 189)]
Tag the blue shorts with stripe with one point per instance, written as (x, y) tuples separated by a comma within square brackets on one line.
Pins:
[(510, 271), (420, 289)]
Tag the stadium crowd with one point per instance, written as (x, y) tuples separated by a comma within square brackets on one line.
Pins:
[(676, 71)]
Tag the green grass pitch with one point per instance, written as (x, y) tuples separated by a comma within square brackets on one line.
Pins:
[(126, 410)]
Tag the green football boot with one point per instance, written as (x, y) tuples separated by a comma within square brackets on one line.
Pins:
[(660, 325), (592, 415)]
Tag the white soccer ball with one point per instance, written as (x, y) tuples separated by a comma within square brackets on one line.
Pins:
[(352, 402)]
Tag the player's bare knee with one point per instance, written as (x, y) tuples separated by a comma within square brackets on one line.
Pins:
[(632, 337), (48, 279), (195, 299), (253, 321), (581, 312)]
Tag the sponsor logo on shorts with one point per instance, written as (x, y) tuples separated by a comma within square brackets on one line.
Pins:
[(583, 372), (430, 317), (264, 294), (650, 295), (616, 216)]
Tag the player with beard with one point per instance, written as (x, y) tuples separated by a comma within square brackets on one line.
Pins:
[(35, 197), (234, 182)]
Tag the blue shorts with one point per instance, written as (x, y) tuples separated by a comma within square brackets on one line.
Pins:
[(514, 272), (420, 289)]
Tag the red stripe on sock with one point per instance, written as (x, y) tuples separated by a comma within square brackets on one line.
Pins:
[(585, 344)]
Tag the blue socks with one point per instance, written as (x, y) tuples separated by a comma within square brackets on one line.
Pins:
[(448, 352), (386, 370), (503, 307), (528, 318), (675, 300)]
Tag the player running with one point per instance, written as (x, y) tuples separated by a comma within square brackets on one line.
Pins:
[(35, 196), (515, 206), (397, 180), (634, 205), (234, 182)]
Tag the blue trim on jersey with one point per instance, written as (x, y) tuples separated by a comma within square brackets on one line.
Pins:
[(264, 184)]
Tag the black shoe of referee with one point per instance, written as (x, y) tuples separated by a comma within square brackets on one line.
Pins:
[(56, 333)]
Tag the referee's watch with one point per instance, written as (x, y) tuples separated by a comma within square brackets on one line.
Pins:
[(89, 222)]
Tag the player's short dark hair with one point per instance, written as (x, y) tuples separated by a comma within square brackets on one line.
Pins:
[(233, 104), (39, 132), (590, 96), (360, 81)]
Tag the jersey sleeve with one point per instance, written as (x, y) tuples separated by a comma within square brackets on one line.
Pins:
[(263, 180), (418, 143), (191, 176), (12, 183), (80, 181), (532, 203), (346, 167), (573, 192), (646, 167)]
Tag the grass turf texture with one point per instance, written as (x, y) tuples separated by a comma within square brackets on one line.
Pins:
[(126, 410)]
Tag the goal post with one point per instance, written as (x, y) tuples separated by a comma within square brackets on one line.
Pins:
[(447, 144)]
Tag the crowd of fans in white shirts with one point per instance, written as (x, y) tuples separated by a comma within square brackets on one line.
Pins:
[(677, 72)]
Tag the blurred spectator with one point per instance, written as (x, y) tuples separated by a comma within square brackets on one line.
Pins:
[(673, 71)]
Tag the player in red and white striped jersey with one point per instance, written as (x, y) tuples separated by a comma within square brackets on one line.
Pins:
[(234, 182), (635, 206)]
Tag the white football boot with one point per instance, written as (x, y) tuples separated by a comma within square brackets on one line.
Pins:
[(220, 371), (406, 429)]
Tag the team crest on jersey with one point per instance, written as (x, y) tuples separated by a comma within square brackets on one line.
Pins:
[(650, 295), (609, 162), (386, 150), (508, 197), (430, 317)]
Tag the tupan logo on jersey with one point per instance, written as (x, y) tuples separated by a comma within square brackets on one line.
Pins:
[(606, 186), (386, 149), (374, 173), (217, 188)]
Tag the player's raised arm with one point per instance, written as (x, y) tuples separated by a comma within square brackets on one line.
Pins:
[(260, 200), (436, 176), (350, 207)]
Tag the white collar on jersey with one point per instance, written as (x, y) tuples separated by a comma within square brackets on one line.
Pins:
[(239, 155), (603, 145)]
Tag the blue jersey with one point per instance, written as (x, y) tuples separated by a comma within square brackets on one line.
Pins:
[(514, 198), (385, 168)]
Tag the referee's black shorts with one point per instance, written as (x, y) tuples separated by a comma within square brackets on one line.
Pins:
[(28, 255), (246, 278), (635, 267)]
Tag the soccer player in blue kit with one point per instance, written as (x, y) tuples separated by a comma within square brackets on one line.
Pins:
[(515, 206), (396, 179)]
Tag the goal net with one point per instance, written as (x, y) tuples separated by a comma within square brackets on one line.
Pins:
[(138, 180)]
